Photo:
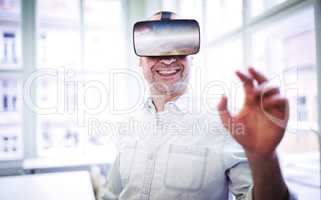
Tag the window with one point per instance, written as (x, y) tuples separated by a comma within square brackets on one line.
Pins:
[(78, 44), (222, 60), (285, 50), (103, 34), (59, 48), (302, 110), (10, 34), (11, 140), (59, 34), (279, 39), (222, 17), (260, 6), (11, 120)]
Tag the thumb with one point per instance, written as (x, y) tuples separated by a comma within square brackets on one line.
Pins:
[(224, 113)]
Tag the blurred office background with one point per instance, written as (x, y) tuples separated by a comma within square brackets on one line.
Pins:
[(88, 39)]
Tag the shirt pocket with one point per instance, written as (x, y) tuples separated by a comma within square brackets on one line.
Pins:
[(185, 169), (126, 159)]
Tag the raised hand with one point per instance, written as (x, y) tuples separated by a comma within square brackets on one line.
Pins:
[(260, 125)]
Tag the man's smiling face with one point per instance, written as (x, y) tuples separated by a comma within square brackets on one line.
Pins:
[(166, 75)]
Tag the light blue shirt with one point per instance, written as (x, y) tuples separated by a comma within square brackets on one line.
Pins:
[(177, 154)]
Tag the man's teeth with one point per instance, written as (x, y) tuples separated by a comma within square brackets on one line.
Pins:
[(168, 72)]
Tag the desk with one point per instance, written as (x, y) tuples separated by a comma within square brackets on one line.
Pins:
[(52, 186)]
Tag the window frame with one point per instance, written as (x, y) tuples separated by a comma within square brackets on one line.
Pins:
[(279, 11), (32, 157)]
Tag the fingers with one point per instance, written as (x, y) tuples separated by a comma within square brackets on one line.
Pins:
[(254, 74), (260, 78), (275, 101), (265, 92), (224, 113), (268, 96), (252, 91), (247, 84), (247, 80)]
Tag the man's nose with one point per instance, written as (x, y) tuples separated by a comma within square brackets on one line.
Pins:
[(168, 60)]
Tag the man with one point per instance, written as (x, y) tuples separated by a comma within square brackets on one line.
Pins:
[(194, 163)]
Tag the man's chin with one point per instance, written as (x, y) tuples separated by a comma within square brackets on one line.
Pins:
[(170, 89)]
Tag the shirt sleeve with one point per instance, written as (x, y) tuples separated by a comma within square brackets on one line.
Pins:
[(237, 170), (113, 187)]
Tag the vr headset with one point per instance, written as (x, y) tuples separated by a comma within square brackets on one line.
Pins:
[(166, 37)]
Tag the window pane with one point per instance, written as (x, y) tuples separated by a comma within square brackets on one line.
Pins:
[(169, 5), (79, 124), (10, 119), (10, 7), (190, 9), (222, 17), (221, 63), (99, 130), (260, 6), (58, 136), (10, 35), (104, 52), (58, 131), (286, 51), (104, 36), (58, 46), (58, 10), (287, 48), (11, 139), (59, 41)]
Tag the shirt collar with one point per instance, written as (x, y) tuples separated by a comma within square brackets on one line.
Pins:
[(181, 104)]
